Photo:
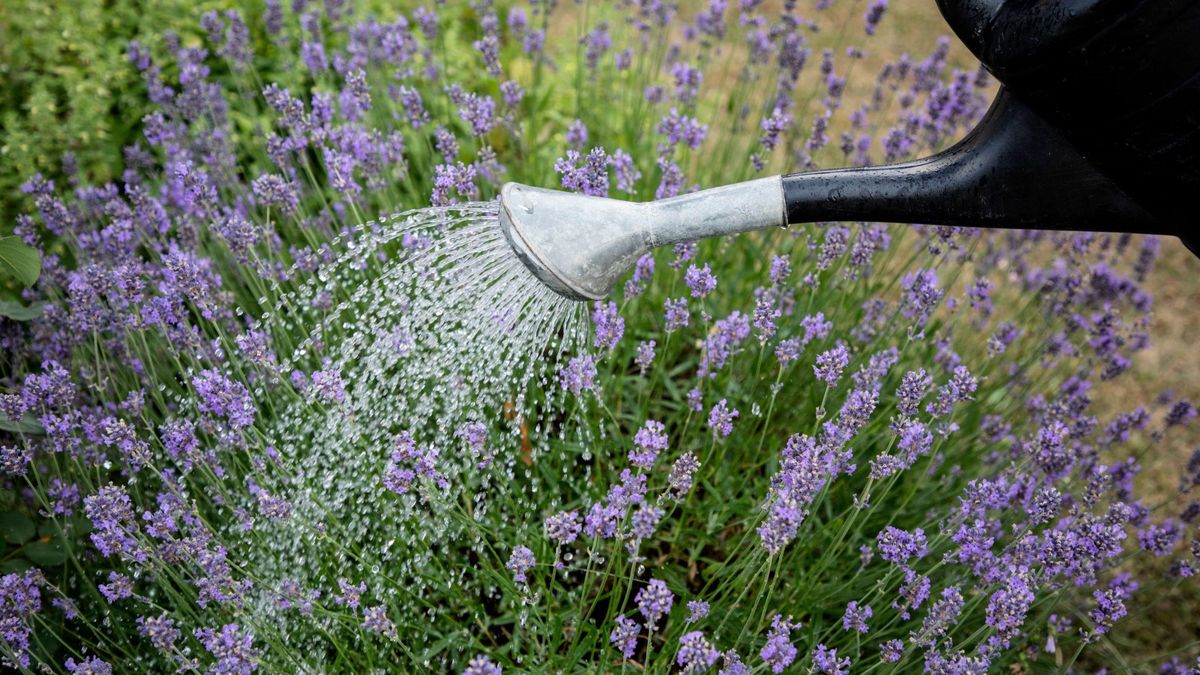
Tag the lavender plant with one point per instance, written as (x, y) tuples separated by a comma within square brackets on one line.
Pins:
[(271, 418)]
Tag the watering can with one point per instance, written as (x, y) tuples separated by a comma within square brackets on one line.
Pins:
[(1096, 127)]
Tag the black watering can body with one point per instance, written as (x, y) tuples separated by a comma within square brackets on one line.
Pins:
[(1096, 127)]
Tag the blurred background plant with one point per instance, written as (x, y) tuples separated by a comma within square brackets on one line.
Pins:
[(67, 91)]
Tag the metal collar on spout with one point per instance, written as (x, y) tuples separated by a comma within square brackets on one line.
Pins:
[(580, 245)]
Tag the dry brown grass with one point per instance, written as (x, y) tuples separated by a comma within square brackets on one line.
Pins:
[(1165, 621)]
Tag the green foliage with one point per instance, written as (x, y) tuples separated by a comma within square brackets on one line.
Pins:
[(22, 263), (18, 312), (67, 86), (46, 543), (26, 425), (45, 553), (16, 528)]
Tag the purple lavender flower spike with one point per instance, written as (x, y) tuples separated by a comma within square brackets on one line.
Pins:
[(700, 280), (91, 665), (781, 267), (563, 528), (312, 54), (489, 49), (644, 522), (677, 314), (590, 177), (1110, 604), (578, 375), (609, 325), (827, 662), (14, 460), (765, 315), (1160, 539), (118, 587), (223, 397), (1180, 414), (624, 636), (520, 562), (327, 385), (921, 295), (273, 190), (720, 419), (687, 81), (111, 513), (941, 618), (410, 462), (533, 42), (627, 174), (787, 351), (696, 654), (816, 327), (414, 106), (446, 144), (512, 93), (233, 649), (681, 129), (829, 365), (479, 112), (645, 355), (856, 617), (897, 546), (874, 14), (684, 251), (350, 593), (577, 134), (597, 43), (650, 440), (375, 620), (913, 388), (160, 631), (482, 665), (779, 652), (518, 20), (654, 602), (1008, 606), (20, 601)]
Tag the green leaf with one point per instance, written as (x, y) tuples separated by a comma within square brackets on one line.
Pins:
[(19, 261), (16, 528), (15, 566), (81, 525), (28, 424), (18, 312), (45, 553), (48, 528)]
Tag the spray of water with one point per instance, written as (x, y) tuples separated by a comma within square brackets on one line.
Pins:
[(426, 324)]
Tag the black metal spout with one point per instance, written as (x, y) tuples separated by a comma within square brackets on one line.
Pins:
[(1014, 170)]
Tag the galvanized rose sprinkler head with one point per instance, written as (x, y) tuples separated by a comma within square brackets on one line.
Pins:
[(580, 245), (1097, 128)]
